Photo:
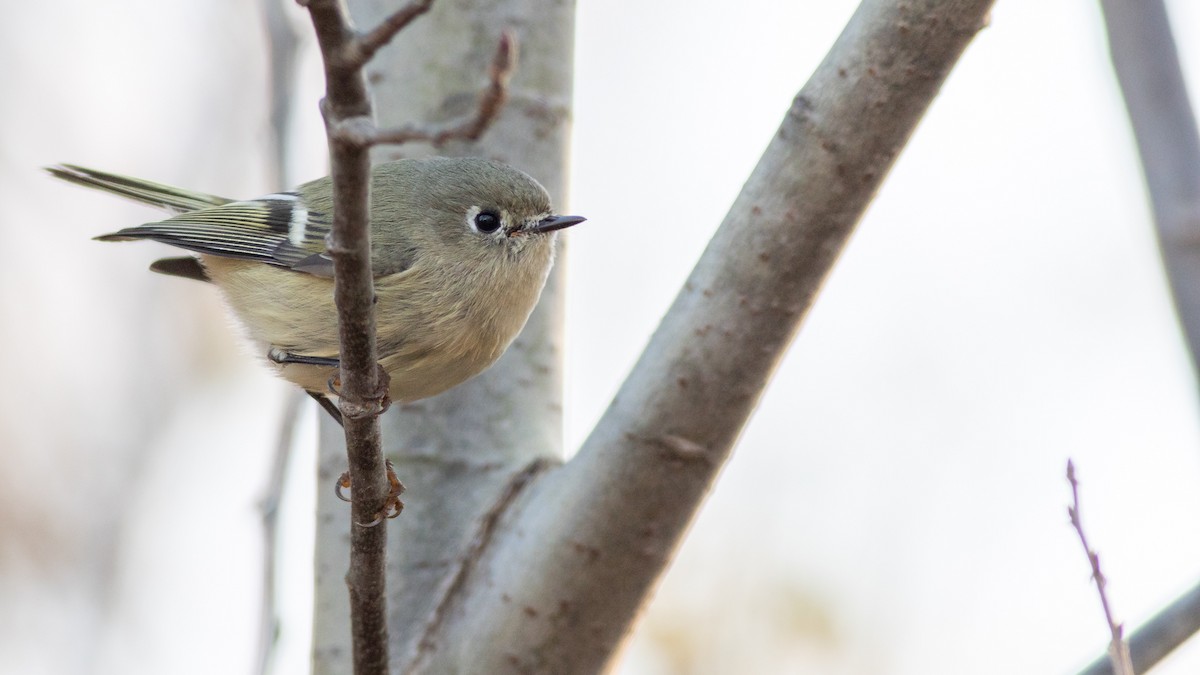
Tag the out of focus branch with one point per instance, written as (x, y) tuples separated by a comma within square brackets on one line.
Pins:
[(362, 130), (360, 50), (1159, 636), (282, 43), (1147, 67), (472, 126), (268, 506)]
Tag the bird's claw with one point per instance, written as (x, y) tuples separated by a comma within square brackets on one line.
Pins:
[(342, 482), (392, 504), (377, 403)]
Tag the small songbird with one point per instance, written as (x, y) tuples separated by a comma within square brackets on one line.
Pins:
[(460, 251)]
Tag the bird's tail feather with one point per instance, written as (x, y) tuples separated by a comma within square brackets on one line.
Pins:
[(162, 196)]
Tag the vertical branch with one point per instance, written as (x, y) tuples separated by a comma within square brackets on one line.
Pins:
[(282, 43), (362, 384), (458, 452), (268, 507)]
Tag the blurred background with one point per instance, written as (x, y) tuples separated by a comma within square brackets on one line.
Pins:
[(897, 504)]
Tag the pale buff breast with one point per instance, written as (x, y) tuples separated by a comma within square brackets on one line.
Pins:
[(429, 340)]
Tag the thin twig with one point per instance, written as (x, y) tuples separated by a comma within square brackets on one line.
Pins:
[(1118, 649), (360, 50), (363, 383), (470, 127)]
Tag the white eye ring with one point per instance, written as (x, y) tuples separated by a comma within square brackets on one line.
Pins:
[(487, 222)]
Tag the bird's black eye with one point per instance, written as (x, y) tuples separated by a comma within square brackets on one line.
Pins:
[(487, 222)]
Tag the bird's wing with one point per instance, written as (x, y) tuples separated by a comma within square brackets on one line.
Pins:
[(173, 199), (276, 229)]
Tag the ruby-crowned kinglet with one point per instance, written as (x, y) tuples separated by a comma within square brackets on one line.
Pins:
[(460, 251)]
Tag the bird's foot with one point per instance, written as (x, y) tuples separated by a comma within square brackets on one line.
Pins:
[(376, 403), (392, 504)]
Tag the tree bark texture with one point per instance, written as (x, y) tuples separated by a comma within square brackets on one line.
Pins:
[(570, 565)]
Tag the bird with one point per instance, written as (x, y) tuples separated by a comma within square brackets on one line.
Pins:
[(460, 251)]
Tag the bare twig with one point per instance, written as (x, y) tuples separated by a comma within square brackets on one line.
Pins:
[(360, 50), (1118, 650), (1147, 66), (361, 130), (1159, 636), (470, 127), (363, 384)]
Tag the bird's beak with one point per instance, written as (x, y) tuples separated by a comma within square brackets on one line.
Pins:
[(552, 223)]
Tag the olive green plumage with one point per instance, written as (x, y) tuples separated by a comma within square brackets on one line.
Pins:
[(460, 251)]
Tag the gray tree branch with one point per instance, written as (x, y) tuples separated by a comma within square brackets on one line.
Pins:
[(1146, 62), (1159, 636), (268, 506), (576, 556), (1147, 66), (282, 43)]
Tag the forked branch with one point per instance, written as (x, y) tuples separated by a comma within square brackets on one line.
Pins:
[(361, 130)]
